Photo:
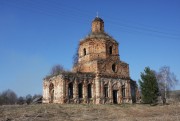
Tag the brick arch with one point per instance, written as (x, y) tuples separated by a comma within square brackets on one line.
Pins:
[(51, 92), (115, 86)]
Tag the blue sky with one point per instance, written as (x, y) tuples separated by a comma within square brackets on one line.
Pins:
[(37, 34)]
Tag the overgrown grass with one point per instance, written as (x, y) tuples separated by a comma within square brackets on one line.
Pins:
[(81, 112)]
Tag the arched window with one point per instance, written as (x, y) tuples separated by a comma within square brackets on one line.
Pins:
[(89, 91), (70, 90), (80, 90), (84, 51), (110, 50), (106, 90), (114, 67), (51, 92)]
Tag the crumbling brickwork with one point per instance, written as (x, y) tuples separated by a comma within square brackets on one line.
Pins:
[(99, 77)]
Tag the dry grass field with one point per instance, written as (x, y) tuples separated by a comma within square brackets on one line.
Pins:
[(73, 112)]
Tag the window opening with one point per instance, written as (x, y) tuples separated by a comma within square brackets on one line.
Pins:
[(80, 90), (106, 90), (123, 91), (110, 50), (89, 91), (70, 90), (84, 50), (114, 67)]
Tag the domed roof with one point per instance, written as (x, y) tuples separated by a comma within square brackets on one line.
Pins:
[(98, 19), (99, 36), (98, 31)]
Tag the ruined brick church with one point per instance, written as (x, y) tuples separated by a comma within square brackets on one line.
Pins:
[(98, 77)]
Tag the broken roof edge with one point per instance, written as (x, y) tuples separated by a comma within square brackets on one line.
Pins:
[(66, 74), (99, 35)]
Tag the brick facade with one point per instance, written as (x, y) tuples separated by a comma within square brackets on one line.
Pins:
[(99, 77)]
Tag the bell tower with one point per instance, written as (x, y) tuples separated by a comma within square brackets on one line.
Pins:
[(98, 53)]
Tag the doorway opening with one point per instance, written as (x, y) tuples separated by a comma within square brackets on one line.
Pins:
[(80, 90), (89, 93), (115, 100), (51, 92), (70, 90)]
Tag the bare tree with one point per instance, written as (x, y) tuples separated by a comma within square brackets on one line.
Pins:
[(20, 100), (8, 97), (167, 80), (28, 99), (1, 99), (76, 57), (57, 69)]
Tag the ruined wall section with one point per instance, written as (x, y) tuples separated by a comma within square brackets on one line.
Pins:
[(98, 77), (114, 84), (95, 49), (86, 67), (115, 51), (52, 89), (114, 67), (45, 91)]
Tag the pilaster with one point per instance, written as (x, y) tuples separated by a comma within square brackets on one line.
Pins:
[(75, 90), (97, 84), (110, 92), (45, 92), (85, 90), (120, 95), (102, 91)]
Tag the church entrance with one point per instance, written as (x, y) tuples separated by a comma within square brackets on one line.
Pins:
[(51, 92), (115, 101)]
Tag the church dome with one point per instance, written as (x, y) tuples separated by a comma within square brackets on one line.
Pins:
[(100, 36), (98, 32)]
